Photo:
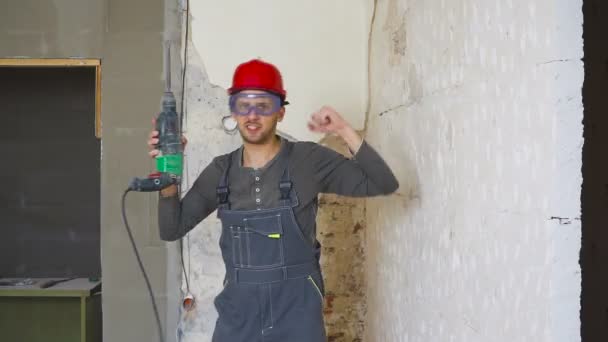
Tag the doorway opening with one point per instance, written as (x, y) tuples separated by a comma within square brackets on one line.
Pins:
[(50, 203), (50, 262)]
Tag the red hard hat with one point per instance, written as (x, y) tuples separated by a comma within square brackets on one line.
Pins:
[(259, 75)]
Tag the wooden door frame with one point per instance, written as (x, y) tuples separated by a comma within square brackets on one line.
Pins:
[(65, 62)]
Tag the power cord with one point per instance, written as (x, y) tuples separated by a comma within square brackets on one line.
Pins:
[(184, 118), (161, 336)]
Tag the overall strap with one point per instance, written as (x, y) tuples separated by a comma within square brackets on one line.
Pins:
[(285, 184), (222, 190)]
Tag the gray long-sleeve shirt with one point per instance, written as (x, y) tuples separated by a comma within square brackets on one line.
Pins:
[(313, 169)]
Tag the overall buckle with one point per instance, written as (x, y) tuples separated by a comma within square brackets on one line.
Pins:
[(222, 194), (285, 188)]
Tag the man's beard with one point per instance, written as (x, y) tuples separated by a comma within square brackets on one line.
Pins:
[(262, 139)]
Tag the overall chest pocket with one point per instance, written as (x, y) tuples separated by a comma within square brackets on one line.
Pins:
[(264, 241)]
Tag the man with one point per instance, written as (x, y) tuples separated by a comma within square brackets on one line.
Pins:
[(265, 193)]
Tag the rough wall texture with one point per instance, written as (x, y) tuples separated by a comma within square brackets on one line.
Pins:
[(341, 226), (205, 105), (477, 106)]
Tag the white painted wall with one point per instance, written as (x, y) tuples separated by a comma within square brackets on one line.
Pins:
[(482, 123), (320, 47)]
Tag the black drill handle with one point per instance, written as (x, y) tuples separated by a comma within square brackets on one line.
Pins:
[(154, 182)]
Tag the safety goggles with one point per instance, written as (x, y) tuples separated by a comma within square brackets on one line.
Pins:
[(260, 104)]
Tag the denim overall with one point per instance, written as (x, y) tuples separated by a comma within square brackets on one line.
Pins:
[(273, 288)]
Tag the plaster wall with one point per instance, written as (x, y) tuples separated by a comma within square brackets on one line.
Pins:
[(477, 106)]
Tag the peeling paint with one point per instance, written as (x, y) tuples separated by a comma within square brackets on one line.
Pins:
[(205, 104)]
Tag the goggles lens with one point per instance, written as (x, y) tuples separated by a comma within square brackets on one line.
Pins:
[(260, 104)]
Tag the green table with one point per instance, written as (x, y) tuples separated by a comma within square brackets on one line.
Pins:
[(66, 312)]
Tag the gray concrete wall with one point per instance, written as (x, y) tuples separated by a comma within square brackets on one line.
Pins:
[(127, 36), (477, 106)]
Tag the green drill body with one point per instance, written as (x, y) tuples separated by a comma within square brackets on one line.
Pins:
[(169, 163), (171, 156)]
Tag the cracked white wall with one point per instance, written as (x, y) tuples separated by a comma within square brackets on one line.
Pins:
[(477, 106)]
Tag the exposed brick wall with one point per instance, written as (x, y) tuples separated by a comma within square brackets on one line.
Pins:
[(341, 231)]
